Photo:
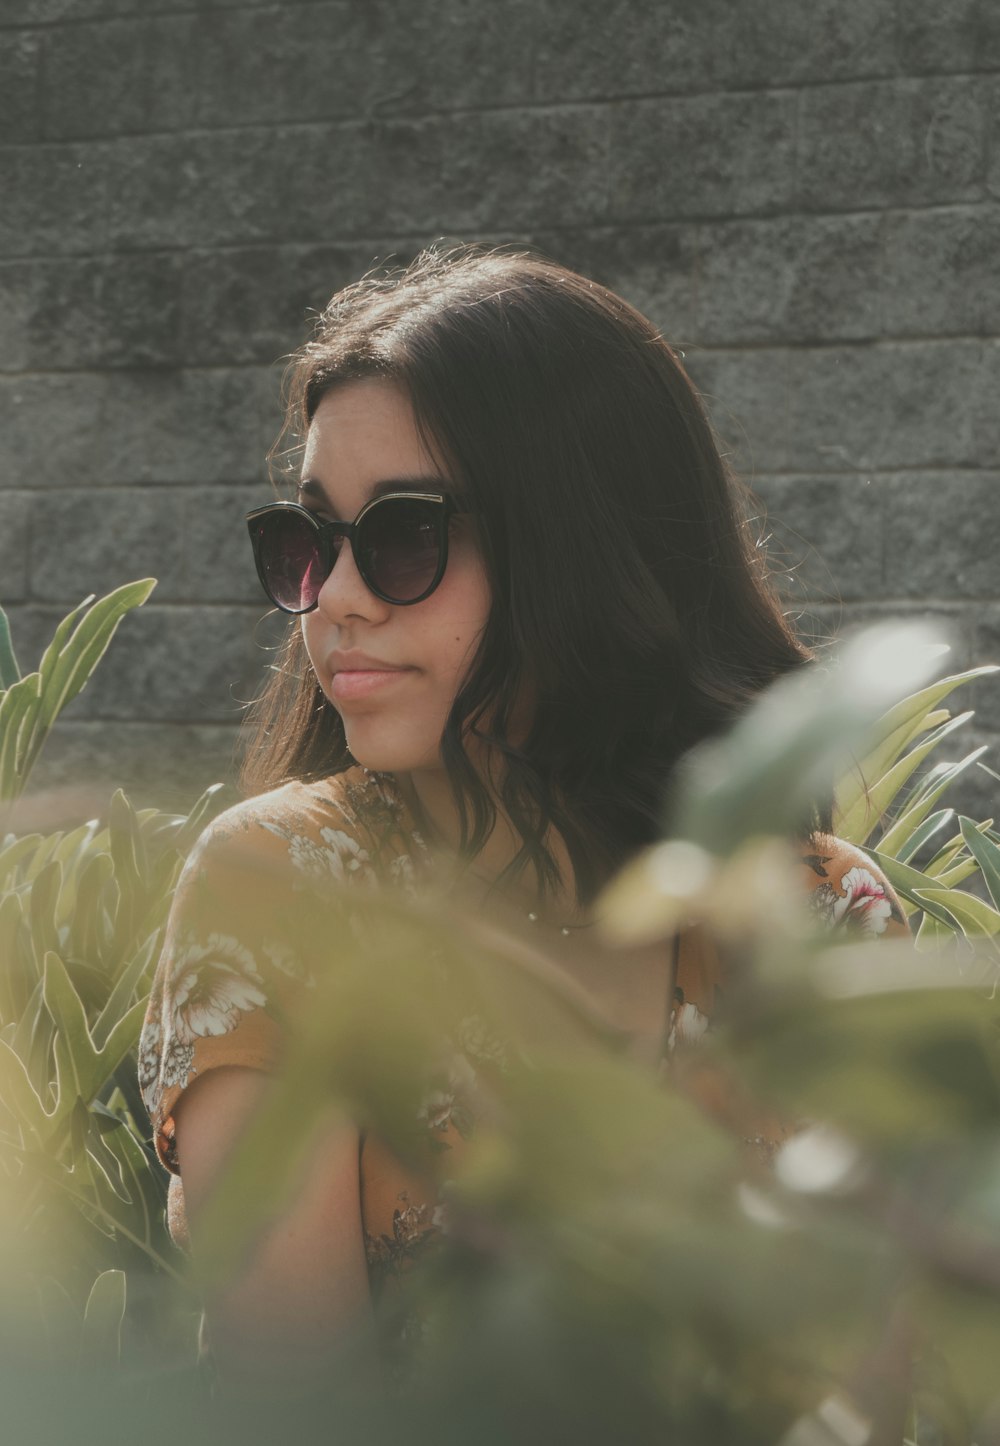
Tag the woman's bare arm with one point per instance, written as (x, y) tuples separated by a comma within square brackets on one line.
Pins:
[(303, 1292)]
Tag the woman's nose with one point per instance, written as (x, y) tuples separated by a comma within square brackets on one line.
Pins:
[(345, 593)]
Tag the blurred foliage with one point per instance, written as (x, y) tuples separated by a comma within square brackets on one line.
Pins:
[(616, 1264), (81, 923)]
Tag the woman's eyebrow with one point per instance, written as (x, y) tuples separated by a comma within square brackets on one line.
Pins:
[(313, 489)]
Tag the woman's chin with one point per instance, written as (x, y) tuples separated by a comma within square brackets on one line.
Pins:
[(391, 754)]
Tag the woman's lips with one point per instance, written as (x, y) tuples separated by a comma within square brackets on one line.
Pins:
[(348, 683)]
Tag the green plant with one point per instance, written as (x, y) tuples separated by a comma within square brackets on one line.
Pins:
[(874, 799), (617, 1268), (81, 921)]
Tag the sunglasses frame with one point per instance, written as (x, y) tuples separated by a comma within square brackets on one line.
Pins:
[(327, 530)]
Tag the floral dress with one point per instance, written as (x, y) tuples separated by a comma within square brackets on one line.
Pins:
[(227, 976)]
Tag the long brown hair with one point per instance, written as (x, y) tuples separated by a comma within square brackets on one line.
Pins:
[(627, 592)]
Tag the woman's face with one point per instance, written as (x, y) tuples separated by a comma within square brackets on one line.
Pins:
[(391, 672)]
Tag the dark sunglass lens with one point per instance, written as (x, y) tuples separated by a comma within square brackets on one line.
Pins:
[(400, 546), (290, 559)]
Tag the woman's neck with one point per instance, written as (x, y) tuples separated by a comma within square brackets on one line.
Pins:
[(429, 797)]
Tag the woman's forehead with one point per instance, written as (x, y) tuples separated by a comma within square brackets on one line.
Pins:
[(364, 436)]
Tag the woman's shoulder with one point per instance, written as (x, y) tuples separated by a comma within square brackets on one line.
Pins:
[(353, 823), (847, 888)]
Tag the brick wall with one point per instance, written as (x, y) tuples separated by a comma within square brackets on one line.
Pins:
[(803, 195)]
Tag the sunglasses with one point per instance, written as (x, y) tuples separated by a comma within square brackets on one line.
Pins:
[(399, 542)]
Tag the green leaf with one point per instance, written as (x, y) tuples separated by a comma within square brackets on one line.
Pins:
[(14, 984), (987, 856), (77, 647), (119, 1000), (975, 917), (922, 833), (957, 874), (100, 1346), (65, 671), (43, 904), (860, 822), (917, 705), (90, 927), (14, 853), (18, 710), (854, 786), (80, 1066), (763, 775), (9, 671), (20, 1095), (912, 885), (931, 790), (192, 826), (932, 933)]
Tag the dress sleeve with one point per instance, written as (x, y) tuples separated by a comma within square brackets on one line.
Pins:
[(227, 972), (850, 893)]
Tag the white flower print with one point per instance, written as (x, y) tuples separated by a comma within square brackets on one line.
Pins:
[(864, 904), (688, 1025), (341, 859), (346, 854), (285, 961), (823, 901), (178, 1064), (401, 873), (149, 1061), (480, 1043), (214, 984), (436, 1109)]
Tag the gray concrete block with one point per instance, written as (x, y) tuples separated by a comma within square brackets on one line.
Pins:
[(192, 540), (344, 60), (19, 121), (323, 184), (825, 535), (165, 766), (166, 664), (986, 692), (947, 35), (722, 284), (93, 539), (126, 428), (54, 201), (788, 279), (218, 562), (192, 190), (108, 311), (256, 304), (16, 307), (599, 48), (783, 42), (15, 521), (596, 49), (706, 155), (942, 272), (982, 403), (506, 168), (919, 404), (656, 268), (991, 90), (942, 535), (902, 142), (748, 395), (51, 12), (119, 77)]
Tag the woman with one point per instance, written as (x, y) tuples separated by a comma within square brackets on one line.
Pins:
[(523, 587)]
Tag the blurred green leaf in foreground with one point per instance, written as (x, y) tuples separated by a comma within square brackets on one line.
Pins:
[(615, 1265)]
